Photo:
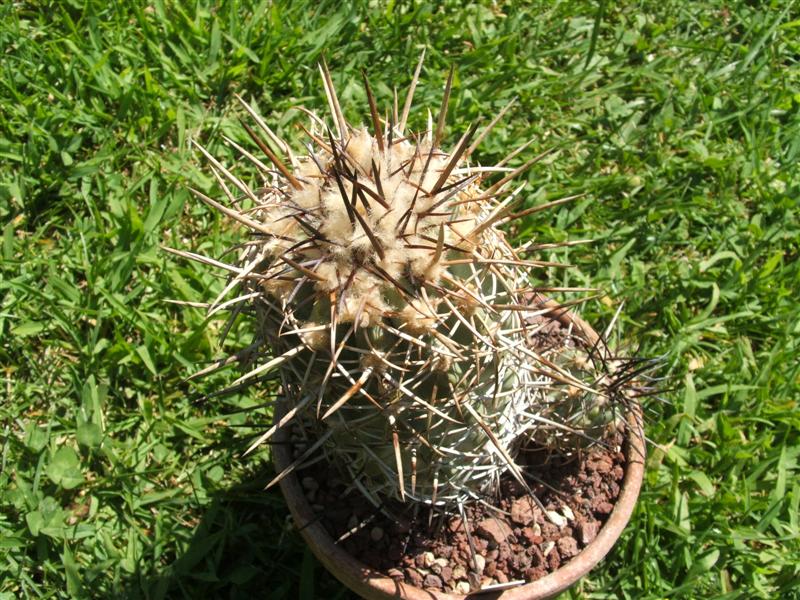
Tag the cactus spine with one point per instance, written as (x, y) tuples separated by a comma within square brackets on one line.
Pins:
[(396, 311)]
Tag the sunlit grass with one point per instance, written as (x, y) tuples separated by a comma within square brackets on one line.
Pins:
[(678, 121)]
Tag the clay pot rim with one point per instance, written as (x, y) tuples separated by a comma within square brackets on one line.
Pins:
[(373, 585)]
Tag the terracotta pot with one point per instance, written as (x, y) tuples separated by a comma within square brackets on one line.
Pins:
[(372, 585)]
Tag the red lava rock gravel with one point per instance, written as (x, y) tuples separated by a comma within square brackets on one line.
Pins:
[(514, 540)]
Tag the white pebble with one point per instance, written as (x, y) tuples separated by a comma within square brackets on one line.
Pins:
[(556, 519), (442, 562), (478, 563)]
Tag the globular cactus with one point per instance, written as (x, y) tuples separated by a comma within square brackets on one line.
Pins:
[(397, 314)]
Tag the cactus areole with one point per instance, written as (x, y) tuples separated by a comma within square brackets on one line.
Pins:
[(395, 312)]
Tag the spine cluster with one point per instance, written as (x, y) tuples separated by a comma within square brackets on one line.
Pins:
[(396, 311)]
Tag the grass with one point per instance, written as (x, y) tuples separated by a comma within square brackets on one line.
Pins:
[(679, 121)]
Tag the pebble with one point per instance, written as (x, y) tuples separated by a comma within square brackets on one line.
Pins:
[(462, 587), (446, 574), (601, 464), (501, 577), (554, 560), (533, 574), (439, 565), (567, 547), (548, 547), (428, 559), (478, 563), (474, 580), (459, 572), (530, 536), (413, 577), (433, 581), (522, 511), (603, 508), (587, 531), (494, 530), (557, 520), (567, 512)]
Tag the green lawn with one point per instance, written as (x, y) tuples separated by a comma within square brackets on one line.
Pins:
[(678, 121)]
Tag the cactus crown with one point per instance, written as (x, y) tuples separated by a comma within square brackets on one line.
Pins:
[(397, 312)]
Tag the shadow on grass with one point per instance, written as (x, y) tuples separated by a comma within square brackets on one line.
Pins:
[(244, 546)]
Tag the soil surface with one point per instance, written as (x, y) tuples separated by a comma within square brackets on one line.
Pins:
[(508, 540)]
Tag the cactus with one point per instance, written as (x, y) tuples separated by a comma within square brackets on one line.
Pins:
[(397, 313)]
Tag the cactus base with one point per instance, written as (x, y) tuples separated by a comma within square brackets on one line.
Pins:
[(373, 585)]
